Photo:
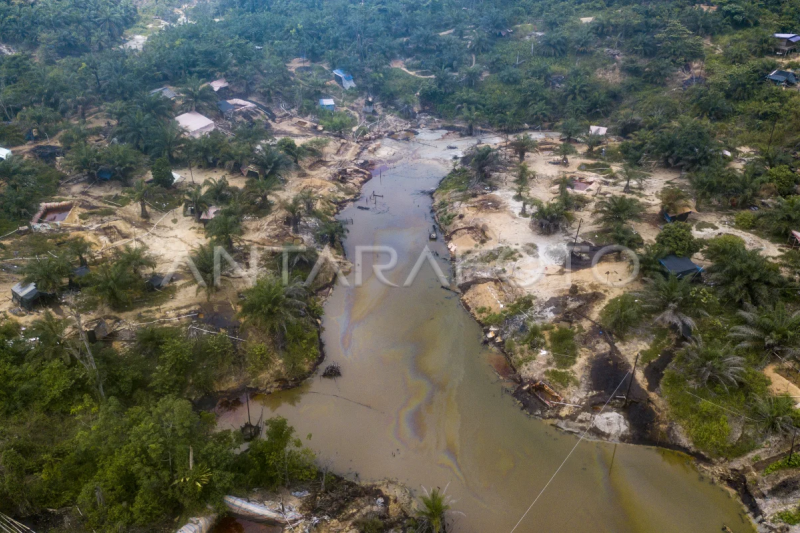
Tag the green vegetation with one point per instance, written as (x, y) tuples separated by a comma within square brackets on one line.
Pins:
[(563, 347)]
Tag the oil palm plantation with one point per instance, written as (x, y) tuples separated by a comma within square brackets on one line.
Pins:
[(712, 364), (114, 284), (202, 266), (261, 189), (136, 128), (775, 415), (296, 209), (482, 161), (135, 259), (744, 276)]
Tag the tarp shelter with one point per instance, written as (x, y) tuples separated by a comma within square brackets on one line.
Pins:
[(597, 130), (344, 79), (209, 214), (681, 215), (5, 153), (156, 282), (25, 296), (327, 103), (225, 107), (97, 332), (166, 92), (219, 84), (782, 77), (105, 174), (680, 266), (195, 124), (794, 238)]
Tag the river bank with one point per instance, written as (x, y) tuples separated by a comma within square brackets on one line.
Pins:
[(419, 401)]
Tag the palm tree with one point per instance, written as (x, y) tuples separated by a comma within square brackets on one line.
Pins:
[(432, 514), (470, 116), (673, 198), (774, 331), (671, 300), (113, 284), (331, 231), (482, 161), (261, 189), (154, 105), (223, 228), (135, 128), (270, 162), (195, 199), (218, 191), (618, 209), (272, 307), (713, 364), (140, 192), (196, 95), (83, 158), (47, 272), (203, 260), (744, 276), (784, 217), (592, 141), (296, 209), (551, 217), (522, 144), (629, 173), (775, 414), (167, 140), (80, 248), (135, 258)]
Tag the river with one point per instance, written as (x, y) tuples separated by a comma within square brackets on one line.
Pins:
[(420, 400)]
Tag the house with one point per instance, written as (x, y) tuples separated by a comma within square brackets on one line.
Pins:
[(166, 92), (504, 33), (680, 215), (25, 296), (5, 153), (597, 130), (785, 43), (195, 124), (343, 79), (327, 104), (681, 267), (586, 20), (782, 77), (209, 214)]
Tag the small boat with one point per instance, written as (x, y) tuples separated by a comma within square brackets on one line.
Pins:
[(363, 208), (433, 236), (261, 513), (199, 524), (544, 393)]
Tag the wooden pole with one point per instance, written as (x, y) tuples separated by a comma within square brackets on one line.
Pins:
[(791, 449), (613, 455), (577, 232), (247, 399), (633, 375)]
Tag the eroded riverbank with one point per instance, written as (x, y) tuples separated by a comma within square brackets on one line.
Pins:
[(420, 401)]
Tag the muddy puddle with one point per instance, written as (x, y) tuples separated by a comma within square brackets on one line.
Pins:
[(421, 400)]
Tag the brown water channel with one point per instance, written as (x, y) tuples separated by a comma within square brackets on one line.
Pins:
[(420, 401)]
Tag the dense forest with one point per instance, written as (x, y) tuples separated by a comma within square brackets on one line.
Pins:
[(682, 85)]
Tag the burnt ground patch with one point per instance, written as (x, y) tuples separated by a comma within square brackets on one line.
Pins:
[(654, 372), (785, 487)]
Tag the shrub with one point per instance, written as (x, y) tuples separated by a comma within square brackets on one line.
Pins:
[(564, 347), (621, 314), (562, 378), (745, 220), (677, 239)]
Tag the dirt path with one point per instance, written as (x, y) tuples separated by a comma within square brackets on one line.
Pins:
[(781, 385), (398, 63)]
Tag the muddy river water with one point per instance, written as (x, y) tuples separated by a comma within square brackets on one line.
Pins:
[(420, 401)]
